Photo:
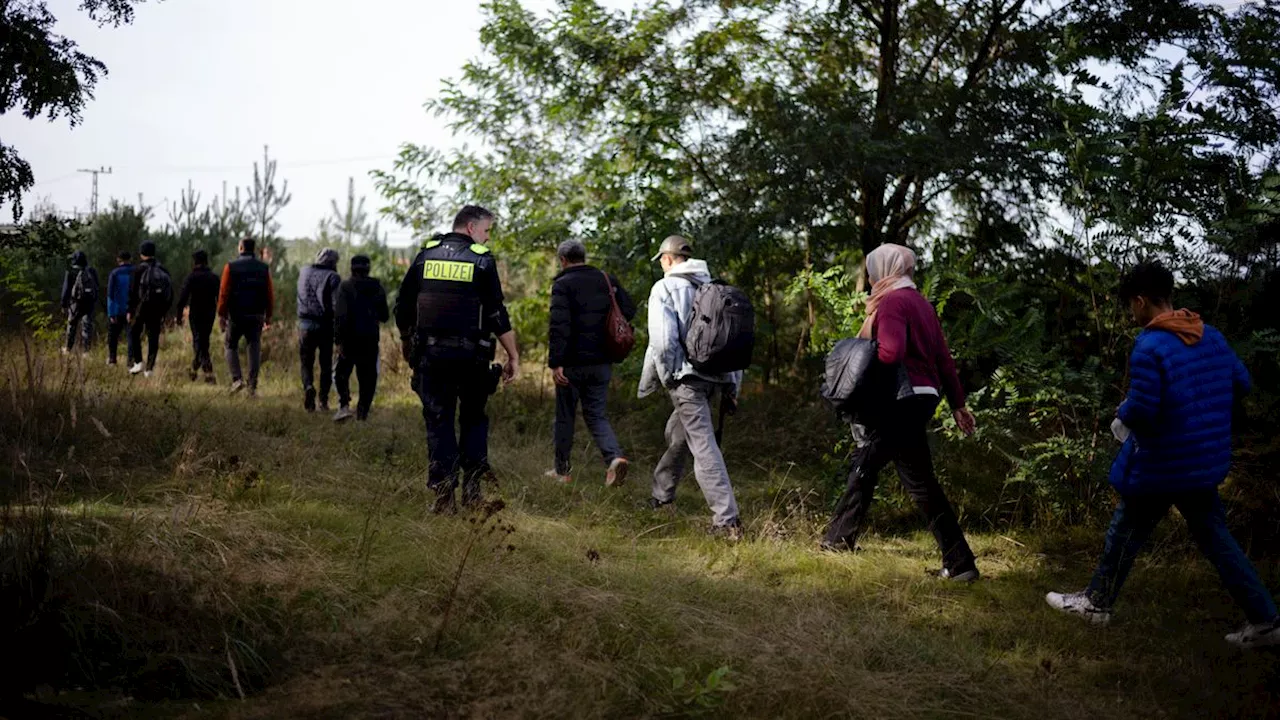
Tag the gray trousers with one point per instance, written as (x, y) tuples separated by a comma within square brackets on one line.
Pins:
[(590, 385), (691, 429)]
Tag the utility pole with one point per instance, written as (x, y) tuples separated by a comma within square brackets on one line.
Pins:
[(93, 199)]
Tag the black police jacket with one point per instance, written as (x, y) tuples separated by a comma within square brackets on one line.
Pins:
[(452, 290)]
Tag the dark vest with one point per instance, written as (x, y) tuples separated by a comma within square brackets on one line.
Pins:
[(248, 286), (449, 302)]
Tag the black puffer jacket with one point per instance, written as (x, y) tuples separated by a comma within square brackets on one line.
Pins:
[(859, 387), (579, 308)]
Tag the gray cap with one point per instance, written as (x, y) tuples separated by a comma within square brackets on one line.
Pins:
[(674, 245)]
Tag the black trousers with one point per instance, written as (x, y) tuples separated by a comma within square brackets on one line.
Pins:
[(201, 329), (151, 324), (115, 328), (312, 343), (363, 358), (447, 386), (902, 438), (249, 328)]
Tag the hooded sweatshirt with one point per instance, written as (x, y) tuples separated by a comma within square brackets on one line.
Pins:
[(79, 261), (317, 289), (670, 308)]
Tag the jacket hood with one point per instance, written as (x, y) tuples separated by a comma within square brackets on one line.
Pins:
[(1183, 323), (696, 269), (327, 258), (79, 259)]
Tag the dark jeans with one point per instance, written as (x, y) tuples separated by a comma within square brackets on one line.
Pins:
[(80, 318), (151, 324), (363, 358), (1131, 525), (115, 328), (200, 332), (590, 384), (316, 340), (249, 328), (447, 385), (902, 438)]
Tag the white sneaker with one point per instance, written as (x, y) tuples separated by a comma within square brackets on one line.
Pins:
[(1256, 636), (1078, 604), (564, 479), (344, 413), (617, 473), (146, 373), (137, 369)]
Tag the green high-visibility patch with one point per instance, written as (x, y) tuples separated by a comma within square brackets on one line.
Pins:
[(450, 270), (479, 249), (431, 244)]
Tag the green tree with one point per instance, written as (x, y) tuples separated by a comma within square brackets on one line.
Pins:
[(44, 73)]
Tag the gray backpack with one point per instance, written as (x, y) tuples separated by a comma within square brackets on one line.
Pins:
[(84, 290), (722, 329)]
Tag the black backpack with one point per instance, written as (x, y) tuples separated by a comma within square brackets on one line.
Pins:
[(155, 287), (84, 289), (722, 329)]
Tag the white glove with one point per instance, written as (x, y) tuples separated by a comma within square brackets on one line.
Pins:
[(1120, 430)]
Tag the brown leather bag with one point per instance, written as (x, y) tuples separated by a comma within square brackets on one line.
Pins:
[(619, 336)]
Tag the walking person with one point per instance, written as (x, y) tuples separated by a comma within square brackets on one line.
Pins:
[(118, 304), (581, 299), (449, 309), (317, 286), (1175, 424), (150, 296), (79, 301), (908, 333), (245, 302), (359, 312), (690, 429), (200, 296)]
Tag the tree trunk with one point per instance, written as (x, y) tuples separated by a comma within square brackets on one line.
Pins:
[(873, 182)]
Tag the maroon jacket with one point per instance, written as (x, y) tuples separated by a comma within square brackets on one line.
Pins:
[(907, 328)]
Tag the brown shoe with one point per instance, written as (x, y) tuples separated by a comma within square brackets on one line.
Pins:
[(731, 531), (445, 504)]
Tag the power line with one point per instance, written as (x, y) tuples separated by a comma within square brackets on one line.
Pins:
[(58, 179), (238, 168)]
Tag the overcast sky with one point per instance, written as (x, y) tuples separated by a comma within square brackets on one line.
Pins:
[(197, 87)]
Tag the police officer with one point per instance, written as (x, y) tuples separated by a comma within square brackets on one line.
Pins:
[(449, 308)]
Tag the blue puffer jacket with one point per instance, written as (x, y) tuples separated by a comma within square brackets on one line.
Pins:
[(1179, 409), (118, 290)]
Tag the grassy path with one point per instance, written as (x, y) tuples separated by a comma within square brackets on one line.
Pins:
[(242, 546)]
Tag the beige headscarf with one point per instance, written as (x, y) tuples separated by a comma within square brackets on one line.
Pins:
[(889, 268)]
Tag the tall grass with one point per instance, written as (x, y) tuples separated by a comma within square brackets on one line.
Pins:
[(199, 547)]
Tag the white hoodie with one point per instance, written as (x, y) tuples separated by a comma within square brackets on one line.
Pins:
[(670, 306)]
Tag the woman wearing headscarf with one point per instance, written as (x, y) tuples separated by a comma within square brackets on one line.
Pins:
[(908, 333)]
